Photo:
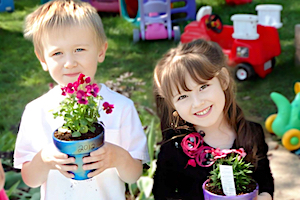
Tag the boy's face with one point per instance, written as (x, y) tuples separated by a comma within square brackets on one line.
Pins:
[(69, 52)]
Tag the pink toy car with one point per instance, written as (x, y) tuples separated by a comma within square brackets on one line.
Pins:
[(251, 44), (105, 5), (155, 21)]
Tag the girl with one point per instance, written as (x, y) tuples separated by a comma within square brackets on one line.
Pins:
[(195, 92)]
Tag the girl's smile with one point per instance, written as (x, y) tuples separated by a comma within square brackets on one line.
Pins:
[(204, 112)]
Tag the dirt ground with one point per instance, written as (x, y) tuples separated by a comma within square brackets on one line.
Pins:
[(285, 167)]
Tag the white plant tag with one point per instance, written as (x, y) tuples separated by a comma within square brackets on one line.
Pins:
[(227, 180)]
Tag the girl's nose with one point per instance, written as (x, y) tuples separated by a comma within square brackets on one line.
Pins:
[(197, 102), (70, 62)]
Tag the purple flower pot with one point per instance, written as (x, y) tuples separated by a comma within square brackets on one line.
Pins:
[(79, 149), (211, 196)]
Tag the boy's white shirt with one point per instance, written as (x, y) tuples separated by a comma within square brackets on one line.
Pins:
[(122, 127)]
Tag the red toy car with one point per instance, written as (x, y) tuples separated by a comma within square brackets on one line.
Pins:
[(251, 48), (237, 2)]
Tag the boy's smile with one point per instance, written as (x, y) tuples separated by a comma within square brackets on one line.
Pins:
[(69, 52)]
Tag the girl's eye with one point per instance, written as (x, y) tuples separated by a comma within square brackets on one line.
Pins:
[(203, 87), (79, 49), (181, 97)]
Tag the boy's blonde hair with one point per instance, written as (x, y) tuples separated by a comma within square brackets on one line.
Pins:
[(59, 14)]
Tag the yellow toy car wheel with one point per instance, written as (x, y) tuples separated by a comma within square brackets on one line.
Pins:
[(269, 122), (291, 139)]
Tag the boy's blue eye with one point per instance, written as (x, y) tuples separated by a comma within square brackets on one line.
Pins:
[(57, 53), (79, 49), (203, 87), (181, 97)]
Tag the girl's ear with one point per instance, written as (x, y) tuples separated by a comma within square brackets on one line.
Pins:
[(102, 52), (42, 61), (225, 81)]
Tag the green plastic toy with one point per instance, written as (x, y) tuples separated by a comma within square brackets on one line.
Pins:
[(286, 123)]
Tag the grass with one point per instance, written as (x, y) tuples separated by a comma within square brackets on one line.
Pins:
[(22, 78)]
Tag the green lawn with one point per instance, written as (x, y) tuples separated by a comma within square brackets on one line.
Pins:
[(22, 78)]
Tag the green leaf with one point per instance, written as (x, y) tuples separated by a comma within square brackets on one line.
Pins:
[(151, 140), (76, 134), (83, 122), (68, 116), (92, 129), (12, 188), (83, 129), (145, 184)]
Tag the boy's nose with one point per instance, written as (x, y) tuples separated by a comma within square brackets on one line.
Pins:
[(70, 62)]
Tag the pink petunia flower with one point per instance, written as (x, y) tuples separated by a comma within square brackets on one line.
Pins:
[(92, 90), (75, 85), (88, 80), (108, 108), (81, 96), (63, 91), (81, 79), (69, 88)]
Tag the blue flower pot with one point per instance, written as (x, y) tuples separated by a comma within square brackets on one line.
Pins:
[(211, 196), (79, 149)]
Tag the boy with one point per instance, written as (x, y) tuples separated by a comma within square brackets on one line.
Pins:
[(69, 39)]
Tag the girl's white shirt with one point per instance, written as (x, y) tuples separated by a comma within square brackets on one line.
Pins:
[(122, 127)]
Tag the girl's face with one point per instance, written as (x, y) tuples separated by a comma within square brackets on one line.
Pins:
[(69, 52), (203, 105)]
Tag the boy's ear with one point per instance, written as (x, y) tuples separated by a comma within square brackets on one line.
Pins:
[(225, 82), (102, 52), (42, 61)]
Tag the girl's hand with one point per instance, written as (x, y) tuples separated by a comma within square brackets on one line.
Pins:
[(107, 156), (57, 160), (264, 196)]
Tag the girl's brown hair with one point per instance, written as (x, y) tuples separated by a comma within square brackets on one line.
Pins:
[(202, 60)]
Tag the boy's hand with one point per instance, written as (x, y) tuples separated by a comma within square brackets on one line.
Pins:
[(57, 160), (107, 156)]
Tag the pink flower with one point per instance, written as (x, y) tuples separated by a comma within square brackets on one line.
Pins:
[(217, 153), (88, 80), (92, 90), (240, 151), (81, 79), (51, 85), (63, 91), (108, 108), (69, 88), (75, 85), (81, 96)]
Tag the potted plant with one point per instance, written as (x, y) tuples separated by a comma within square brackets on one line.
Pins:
[(81, 132), (238, 176), (230, 177)]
